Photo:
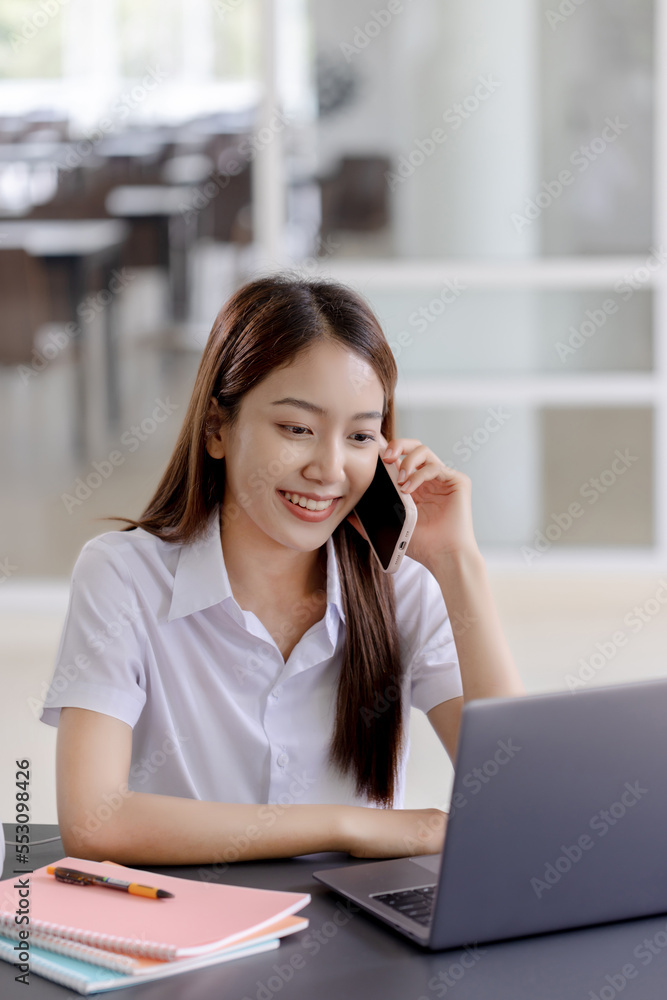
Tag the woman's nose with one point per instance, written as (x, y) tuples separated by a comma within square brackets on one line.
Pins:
[(327, 464)]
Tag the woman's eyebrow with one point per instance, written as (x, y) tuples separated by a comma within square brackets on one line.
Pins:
[(313, 408)]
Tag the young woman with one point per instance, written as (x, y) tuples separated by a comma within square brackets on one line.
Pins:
[(235, 673)]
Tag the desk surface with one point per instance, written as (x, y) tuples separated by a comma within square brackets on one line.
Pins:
[(345, 953)]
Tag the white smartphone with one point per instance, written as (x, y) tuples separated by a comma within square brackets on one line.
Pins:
[(388, 516)]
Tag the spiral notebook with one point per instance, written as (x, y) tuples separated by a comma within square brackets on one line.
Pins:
[(202, 917), (86, 977)]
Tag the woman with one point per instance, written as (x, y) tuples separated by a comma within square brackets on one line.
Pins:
[(235, 673)]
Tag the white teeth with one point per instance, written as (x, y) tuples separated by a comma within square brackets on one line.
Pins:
[(295, 498)]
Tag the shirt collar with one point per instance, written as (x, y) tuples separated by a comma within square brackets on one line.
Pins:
[(201, 579)]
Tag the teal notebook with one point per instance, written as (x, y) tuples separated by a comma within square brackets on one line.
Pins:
[(84, 977)]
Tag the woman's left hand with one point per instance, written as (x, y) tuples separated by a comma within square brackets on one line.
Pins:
[(442, 495)]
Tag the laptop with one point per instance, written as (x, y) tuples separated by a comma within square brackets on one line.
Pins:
[(558, 819)]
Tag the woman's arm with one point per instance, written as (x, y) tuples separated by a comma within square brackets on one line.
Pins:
[(101, 819), (445, 543), (487, 666)]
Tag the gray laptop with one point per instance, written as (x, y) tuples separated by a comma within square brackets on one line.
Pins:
[(558, 819)]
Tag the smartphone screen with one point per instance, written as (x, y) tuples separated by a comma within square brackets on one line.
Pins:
[(382, 514)]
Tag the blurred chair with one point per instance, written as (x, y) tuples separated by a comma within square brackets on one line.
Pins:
[(24, 293), (355, 197), (43, 125), (187, 168), (85, 198), (229, 210)]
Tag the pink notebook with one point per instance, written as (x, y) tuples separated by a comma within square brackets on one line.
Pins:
[(201, 917)]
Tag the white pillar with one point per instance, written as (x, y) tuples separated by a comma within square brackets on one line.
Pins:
[(459, 202), (660, 292), (268, 171), (469, 68), (90, 57), (198, 40)]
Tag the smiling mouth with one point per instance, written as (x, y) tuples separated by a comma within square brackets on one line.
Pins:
[(300, 501)]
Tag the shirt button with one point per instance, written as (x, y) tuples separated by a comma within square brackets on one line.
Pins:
[(282, 760), (276, 694)]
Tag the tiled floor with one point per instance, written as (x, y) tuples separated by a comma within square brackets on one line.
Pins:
[(554, 622)]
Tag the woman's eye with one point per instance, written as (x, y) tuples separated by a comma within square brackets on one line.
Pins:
[(294, 427), (300, 431)]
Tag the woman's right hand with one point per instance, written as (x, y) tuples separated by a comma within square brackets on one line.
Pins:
[(392, 833)]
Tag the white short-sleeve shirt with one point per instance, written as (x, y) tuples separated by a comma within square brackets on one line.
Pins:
[(153, 636)]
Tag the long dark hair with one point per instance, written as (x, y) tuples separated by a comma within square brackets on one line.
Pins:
[(262, 327)]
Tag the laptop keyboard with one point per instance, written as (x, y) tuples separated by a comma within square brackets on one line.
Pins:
[(414, 903)]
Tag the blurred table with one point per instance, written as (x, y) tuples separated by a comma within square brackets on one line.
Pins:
[(81, 245), (138, 145), (172, 207), (30, 152)]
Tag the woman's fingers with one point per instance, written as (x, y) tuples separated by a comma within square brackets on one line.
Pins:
[(400, 446), (417, 464), (417, 458)]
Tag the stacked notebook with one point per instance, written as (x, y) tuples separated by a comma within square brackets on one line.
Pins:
[(92, 938)]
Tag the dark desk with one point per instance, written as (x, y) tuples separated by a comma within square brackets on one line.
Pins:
[(345, 954)]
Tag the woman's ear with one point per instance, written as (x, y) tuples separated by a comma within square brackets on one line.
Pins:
[(215, 445)]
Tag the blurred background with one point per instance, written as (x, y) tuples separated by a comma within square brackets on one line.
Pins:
[(491, 177)]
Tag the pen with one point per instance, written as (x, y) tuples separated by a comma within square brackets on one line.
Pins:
[(87, 878)]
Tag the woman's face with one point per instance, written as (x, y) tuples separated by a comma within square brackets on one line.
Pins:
[(307, 434)]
